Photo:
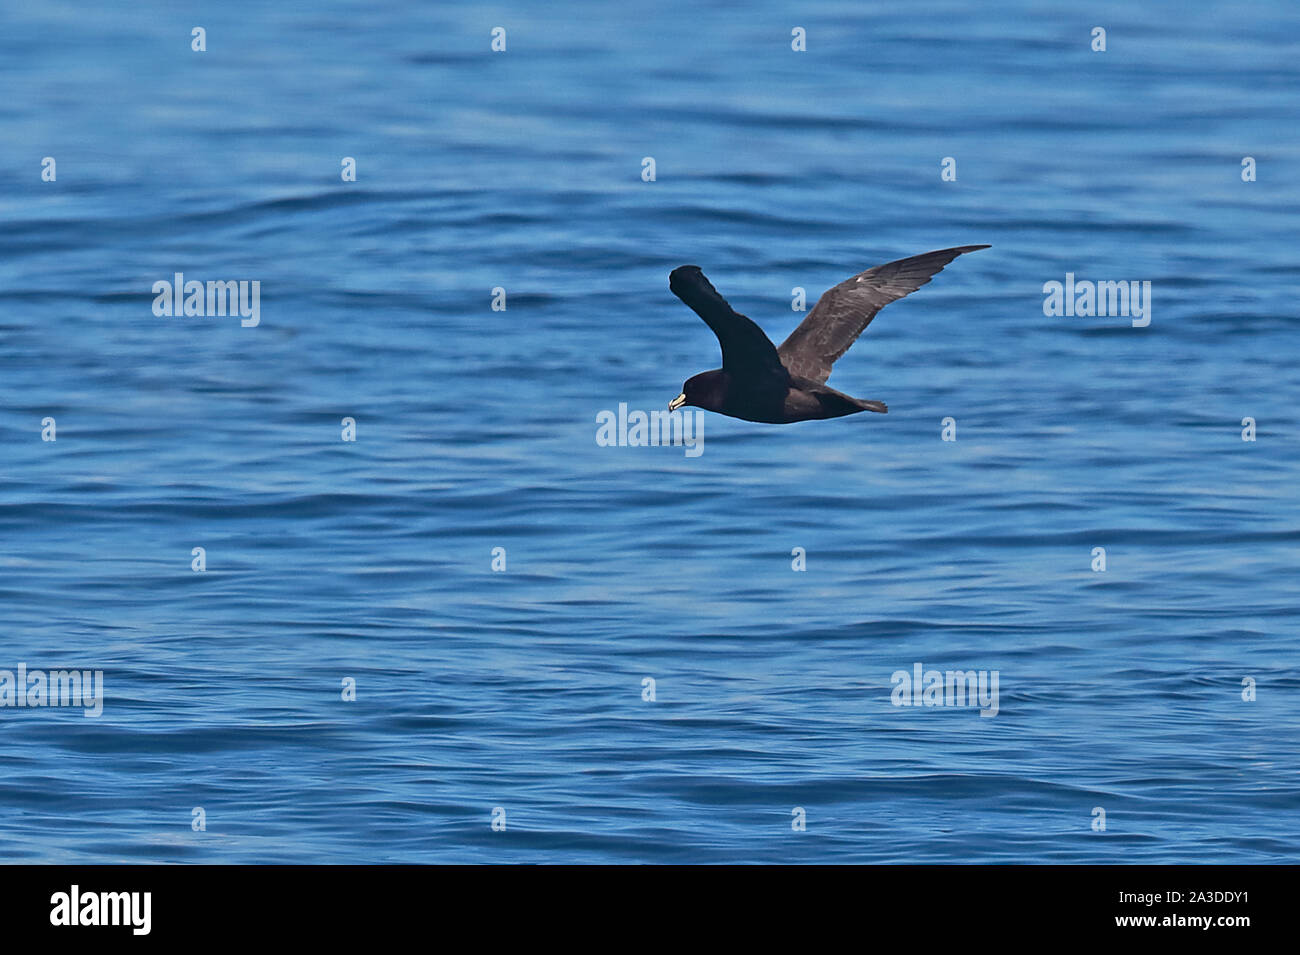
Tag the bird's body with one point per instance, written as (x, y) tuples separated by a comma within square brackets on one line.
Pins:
[(799, 400), (760, 382)]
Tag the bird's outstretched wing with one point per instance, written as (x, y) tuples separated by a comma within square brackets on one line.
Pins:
[(842, 313), (747, 354)]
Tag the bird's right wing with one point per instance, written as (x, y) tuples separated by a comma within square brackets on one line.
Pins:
[(748, 355), (843, 312)]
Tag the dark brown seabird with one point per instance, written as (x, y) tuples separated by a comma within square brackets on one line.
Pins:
[(760, 382)]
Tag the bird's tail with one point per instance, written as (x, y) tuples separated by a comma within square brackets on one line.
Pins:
[(879, 406)]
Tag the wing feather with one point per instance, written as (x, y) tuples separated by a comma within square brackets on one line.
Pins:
[(843, 312), (748, 355)]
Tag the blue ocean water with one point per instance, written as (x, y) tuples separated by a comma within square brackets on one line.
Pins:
[(518, 694)]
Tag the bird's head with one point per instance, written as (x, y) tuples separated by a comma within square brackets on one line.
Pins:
[(706, 390)]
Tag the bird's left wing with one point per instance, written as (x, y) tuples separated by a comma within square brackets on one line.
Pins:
[(747, 354)]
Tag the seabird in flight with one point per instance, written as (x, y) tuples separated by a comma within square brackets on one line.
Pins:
[(760, 382)]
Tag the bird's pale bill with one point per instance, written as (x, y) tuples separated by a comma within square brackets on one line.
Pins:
[(677, 402)]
